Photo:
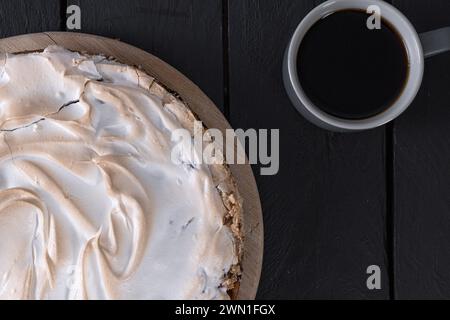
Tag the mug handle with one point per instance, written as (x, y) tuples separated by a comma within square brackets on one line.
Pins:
[(435, 41)]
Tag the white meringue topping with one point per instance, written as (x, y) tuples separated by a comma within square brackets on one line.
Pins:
[(91, 205)]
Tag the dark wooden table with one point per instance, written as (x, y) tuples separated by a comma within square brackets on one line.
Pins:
[(340, 202)]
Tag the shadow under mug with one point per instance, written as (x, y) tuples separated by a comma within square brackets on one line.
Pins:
[(418, 47)]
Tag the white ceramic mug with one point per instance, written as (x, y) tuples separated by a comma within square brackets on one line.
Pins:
[(418, 47)]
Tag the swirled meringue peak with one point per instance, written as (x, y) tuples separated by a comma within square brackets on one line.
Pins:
[(91, 205)]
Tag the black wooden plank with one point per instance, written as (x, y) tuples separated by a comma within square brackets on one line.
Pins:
[(20, 16), (421, 171), (325, 211), (186, 34)]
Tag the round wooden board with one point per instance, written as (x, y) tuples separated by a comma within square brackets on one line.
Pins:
[(198, 102)]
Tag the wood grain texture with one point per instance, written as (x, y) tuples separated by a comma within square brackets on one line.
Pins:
[(22, 16), (198, 102), (421, 168), (325, 211), (186, 34)]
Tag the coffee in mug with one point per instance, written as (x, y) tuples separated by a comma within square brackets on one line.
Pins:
[(350, 70), (342, 75)]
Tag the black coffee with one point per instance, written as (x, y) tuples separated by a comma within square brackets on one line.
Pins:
[(350, 71)]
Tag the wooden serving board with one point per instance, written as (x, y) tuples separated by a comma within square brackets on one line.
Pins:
[(198, 102)]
